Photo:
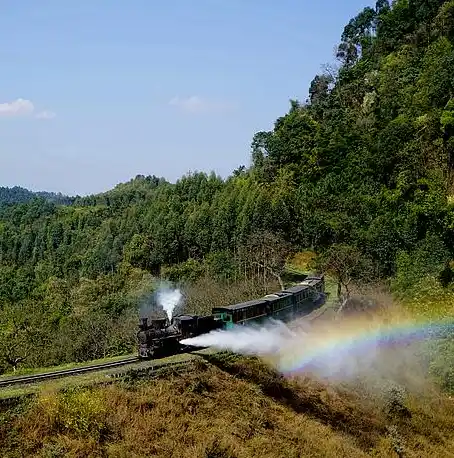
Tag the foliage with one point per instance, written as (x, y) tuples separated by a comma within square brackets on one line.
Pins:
[(78, 411), (429, 258), (268, 253), (19, 195), (204, 411), (205, 293), (361, 173), (345, 263), (442, 363)]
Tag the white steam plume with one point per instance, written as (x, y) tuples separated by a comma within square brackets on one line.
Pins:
[(265, 340), (168, 299), (327, 352)]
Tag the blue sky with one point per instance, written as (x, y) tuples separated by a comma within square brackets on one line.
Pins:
[(93, 92)]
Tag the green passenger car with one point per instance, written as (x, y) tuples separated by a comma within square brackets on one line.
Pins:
[(240, 314), (283, 305)]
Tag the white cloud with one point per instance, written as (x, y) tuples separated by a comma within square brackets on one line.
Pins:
[(18, 107), (23, 107), (45, 115), (196, 104)]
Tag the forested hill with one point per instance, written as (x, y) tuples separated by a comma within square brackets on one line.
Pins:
[(361, 172), (17, 195)]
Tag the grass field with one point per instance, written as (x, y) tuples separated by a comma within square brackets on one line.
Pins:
[(219, 405), (45, 370), (226, 407)]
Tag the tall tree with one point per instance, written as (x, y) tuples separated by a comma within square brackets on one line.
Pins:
[(268, 252)]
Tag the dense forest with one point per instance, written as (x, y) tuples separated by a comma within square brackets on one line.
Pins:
[(18, 195), (361, 173)]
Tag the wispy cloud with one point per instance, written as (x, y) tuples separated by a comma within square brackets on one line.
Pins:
[(195, 104), (18, 107), (45, 115), (23, 107)]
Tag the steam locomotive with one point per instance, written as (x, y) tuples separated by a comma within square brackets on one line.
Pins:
[(159, 337)]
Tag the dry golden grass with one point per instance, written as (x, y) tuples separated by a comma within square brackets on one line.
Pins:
[(228, 407)]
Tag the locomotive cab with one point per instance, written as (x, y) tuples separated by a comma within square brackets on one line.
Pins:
[(186, 325), (143, 325)]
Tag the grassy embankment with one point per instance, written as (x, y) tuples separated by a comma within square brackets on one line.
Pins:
[(226, 407), (44, 370), (233, 407)]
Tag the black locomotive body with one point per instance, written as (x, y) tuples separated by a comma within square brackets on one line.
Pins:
[(159, 338)]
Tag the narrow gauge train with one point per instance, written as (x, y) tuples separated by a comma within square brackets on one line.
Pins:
[(159, 338)]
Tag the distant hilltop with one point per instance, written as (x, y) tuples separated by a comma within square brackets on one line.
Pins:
[(17, 195)]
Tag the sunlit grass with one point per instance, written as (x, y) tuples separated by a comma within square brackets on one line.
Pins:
[(231, 407), (91, 378), (68, 366), (429, 300)]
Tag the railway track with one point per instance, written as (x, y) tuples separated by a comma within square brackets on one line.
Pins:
[(26, 379)]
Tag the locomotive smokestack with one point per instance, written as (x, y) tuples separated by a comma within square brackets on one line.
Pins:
[(144, 324)]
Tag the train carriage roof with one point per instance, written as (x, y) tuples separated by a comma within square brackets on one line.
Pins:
[(311, 281), (276, 296), (296, 289), (241, 305)]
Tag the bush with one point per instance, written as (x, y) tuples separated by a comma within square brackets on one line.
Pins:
[(78, 412), (428, 260)]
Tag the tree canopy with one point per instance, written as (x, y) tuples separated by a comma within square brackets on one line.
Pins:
[(364, 165)]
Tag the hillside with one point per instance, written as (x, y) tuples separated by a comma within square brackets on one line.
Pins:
[(360, 173), (356, 182), (16, 195), (229, 407)]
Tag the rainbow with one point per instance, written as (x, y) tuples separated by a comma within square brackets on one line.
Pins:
[(333, 346)]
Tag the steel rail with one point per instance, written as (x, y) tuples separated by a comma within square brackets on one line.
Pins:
[(27, 379), (66, 372)]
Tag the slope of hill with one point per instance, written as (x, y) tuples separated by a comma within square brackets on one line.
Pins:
[(229, 408), (17, 195), (366, 161), (361, 173)]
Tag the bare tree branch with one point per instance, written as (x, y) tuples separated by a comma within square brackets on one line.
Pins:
[(268, 252)]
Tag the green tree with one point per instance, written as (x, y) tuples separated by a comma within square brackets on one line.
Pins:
[(346, 264)]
